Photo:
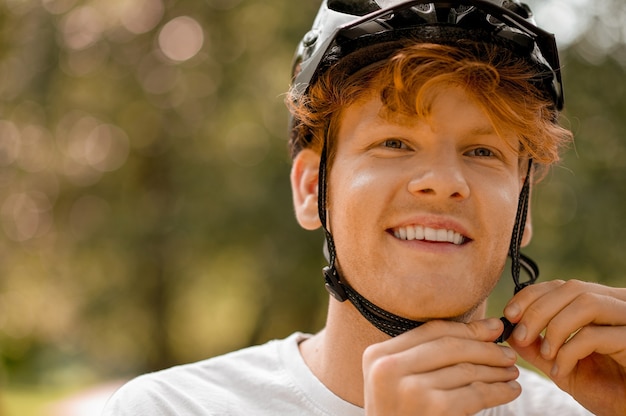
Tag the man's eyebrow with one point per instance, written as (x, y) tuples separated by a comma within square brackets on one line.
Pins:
[(483, 131)]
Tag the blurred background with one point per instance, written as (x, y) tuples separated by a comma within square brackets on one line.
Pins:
[(145, 211)]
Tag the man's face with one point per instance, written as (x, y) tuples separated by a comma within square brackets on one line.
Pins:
[(422, 210)]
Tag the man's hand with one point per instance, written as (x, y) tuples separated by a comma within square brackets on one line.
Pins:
[(440, 368), (583, 349)]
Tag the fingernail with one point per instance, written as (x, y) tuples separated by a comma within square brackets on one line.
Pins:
[(555, 371), (512, 311), (493, 324), (510, 354), (545, 349), (520, 332), (514, 385)]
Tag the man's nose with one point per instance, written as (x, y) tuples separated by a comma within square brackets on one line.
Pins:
[(440, 175)]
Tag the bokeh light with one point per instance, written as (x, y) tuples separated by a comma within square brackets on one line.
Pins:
[(181, 38), (82, 27), (141, 16), (26, 215), (10, 143)]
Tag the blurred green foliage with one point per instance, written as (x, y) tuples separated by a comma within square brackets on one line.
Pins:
[(145, 212)]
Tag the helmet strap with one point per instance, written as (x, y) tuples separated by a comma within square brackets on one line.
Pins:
[(331, 275), (519, 260)]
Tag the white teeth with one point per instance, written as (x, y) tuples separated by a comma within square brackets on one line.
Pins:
[(419, 232)]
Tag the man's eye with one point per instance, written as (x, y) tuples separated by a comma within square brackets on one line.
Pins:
[(480, 152), (394, 144)]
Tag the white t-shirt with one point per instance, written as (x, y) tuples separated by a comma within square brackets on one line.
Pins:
[(273, 379)]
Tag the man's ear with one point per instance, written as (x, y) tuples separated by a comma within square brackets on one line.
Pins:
[(304, 188)]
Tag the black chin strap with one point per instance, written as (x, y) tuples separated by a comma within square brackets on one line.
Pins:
[(388, 322), (385, 321), (519, 260)]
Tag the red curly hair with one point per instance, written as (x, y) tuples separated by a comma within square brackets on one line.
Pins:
[(505, 86)]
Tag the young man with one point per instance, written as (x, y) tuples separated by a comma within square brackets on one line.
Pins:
[(417, 131)]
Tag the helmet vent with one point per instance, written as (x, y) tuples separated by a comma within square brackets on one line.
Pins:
[(520, 8), (494, 21), (424, 8), (353, 7), (462, 9)]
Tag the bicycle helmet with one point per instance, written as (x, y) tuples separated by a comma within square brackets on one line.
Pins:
[(357, 33), (345, 26)]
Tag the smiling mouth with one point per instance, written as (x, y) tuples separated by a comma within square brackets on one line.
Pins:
[(418, 232)]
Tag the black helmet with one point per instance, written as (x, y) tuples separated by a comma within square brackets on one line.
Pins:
[(345, 26)]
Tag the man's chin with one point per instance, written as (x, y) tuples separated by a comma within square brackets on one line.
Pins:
[(472, 314)]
